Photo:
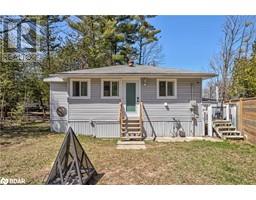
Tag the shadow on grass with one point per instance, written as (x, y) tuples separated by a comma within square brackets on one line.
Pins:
[(34, 129), (96, 178)]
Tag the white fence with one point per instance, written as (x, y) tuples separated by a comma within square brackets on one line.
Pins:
[(214, 112)]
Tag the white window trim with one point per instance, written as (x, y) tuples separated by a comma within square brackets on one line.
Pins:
[(88, 88), (110, 97), (175, 89)]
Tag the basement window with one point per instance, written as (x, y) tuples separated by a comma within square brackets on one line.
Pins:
[(166, 89)]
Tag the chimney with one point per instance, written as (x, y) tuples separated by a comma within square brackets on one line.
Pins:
[(131, 63)]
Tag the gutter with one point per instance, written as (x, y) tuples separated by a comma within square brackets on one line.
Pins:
[(189, 75)]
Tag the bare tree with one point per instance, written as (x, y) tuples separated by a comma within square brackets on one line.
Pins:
[(152, 54), (238, 34)]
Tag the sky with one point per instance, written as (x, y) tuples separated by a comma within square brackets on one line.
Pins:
[(189, 42)]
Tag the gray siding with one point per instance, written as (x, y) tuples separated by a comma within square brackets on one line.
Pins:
[(82, 127), (99, 117), (80, 110), (95, 116), (149, 92), (101, 129), (166, 128), (58, 97), (94, 108), (158, 119), (158, 112)]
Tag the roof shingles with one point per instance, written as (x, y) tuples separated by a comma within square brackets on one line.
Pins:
[(137, 69)]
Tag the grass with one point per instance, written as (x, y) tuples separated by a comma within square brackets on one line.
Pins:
[(28, 153)]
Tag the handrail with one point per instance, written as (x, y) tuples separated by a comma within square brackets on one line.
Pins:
[(121, 114), (122, 111), (141, 116)]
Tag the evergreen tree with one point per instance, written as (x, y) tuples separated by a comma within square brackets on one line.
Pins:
[(244, 76), (146, 34), (93, 46), (49, 38), (110, 40)]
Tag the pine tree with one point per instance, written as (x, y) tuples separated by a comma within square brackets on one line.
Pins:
[(146, 34), (49, 40), (93, 44)]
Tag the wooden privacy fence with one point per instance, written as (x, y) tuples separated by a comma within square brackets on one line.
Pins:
[(246, 116)]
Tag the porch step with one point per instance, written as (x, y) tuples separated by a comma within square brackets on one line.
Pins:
[(221, 121), (131, 123), (131, 120), (226, 133), (130, 144), (131, 138), (130, 133), (129, 128), (226, 128), (234, 137), (217, 124)]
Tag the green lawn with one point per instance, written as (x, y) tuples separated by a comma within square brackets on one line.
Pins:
[(29, 152)]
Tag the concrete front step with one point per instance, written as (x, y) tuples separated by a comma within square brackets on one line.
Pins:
[(130, 145), (120, 142)]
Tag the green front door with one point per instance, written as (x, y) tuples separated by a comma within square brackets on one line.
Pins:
[(130, 97)]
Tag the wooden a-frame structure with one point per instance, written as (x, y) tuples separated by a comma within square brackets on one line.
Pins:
[(72, 165)]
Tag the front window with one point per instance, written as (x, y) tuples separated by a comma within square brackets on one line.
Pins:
[(76, 88), (110, 88), (166, 88), (162, 88), (80, 88)]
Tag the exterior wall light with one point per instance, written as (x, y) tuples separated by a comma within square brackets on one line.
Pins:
[(145, 82)]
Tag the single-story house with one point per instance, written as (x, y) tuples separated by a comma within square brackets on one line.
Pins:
[(130, 101)]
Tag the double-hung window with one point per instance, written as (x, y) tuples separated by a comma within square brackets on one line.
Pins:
[(110, 88), (80, 88), (166, 88)]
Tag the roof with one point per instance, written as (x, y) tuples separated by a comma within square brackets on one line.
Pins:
[(136, 70)]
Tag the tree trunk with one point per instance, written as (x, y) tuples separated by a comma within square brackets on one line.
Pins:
[(140, 51), (42, 104), (48, 44), (2, 112)]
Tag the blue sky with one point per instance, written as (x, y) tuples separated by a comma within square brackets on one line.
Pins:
[(189, 42)]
